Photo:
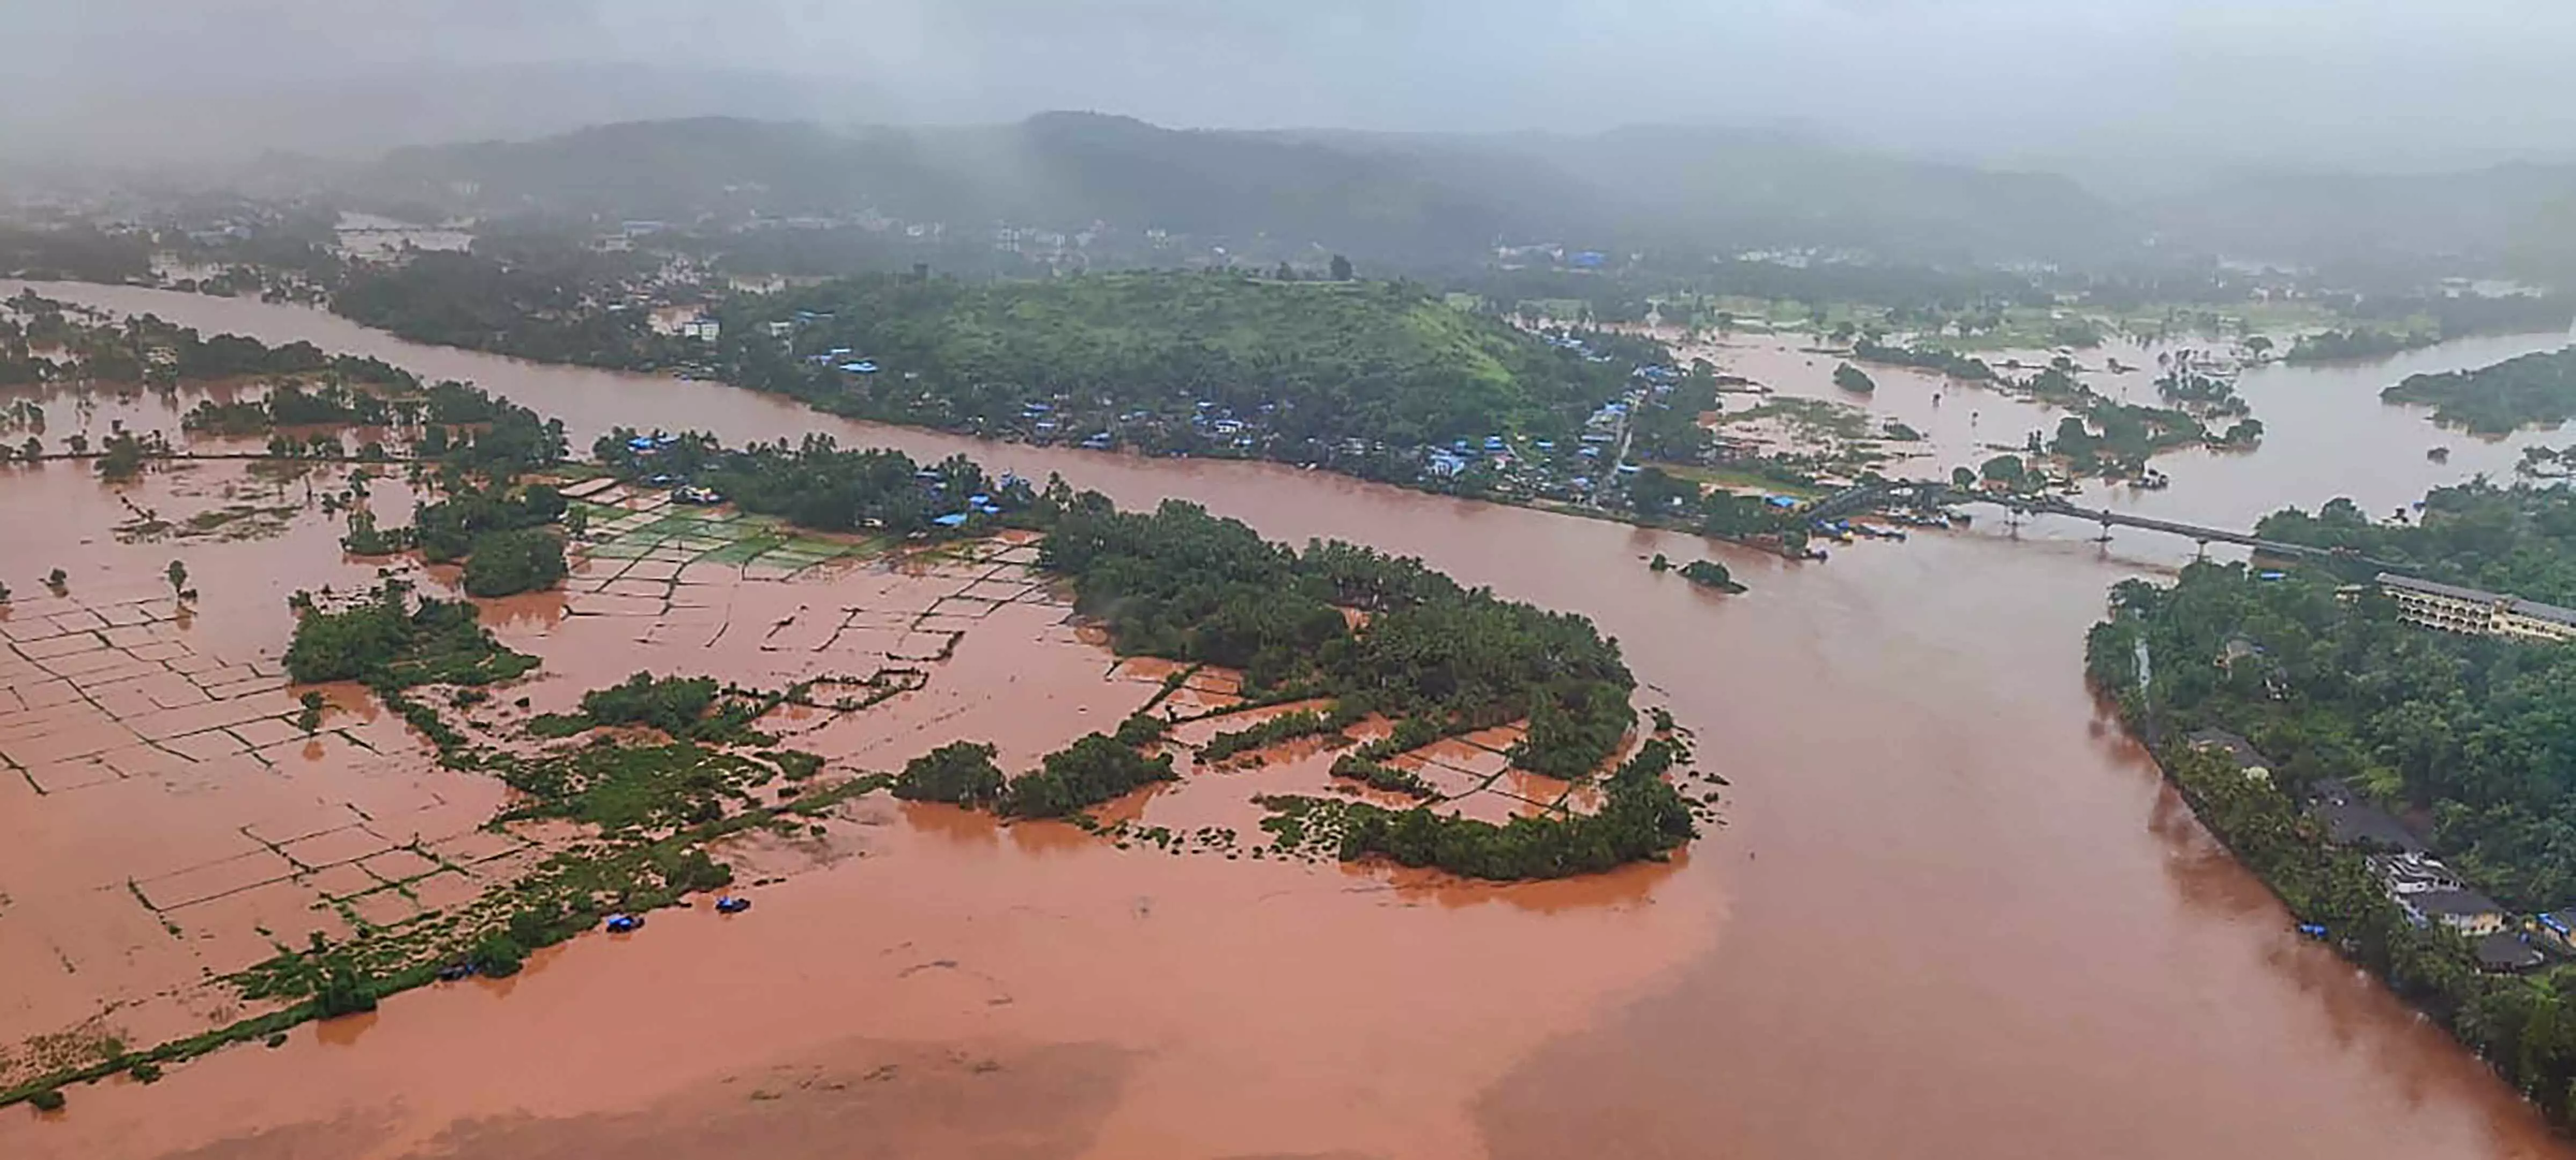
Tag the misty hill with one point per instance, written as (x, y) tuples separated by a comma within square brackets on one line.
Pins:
[(1413, 199), (2518, 219), (1780, 189)]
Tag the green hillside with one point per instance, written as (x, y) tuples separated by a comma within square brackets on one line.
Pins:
[(1206, 363)]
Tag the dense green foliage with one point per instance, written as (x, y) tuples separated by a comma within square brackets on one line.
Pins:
[(1094, 769), (1852, 378), (816, 483), (288, 404), (2519, 539), (960, 772), (2357, 343), (454, 528), (2534, 390), (344, 993), (675, 705), (2117, 439), (468, 430), (1180, 583), (1666, 426), (640, 787), (1710, 574), (1642, 816), (385, 642), (1201, 364), (505, 563), (530, 300), (1950, 363)]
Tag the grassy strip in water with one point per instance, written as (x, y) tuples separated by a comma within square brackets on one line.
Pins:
[(1285, 727), (1383, 776)]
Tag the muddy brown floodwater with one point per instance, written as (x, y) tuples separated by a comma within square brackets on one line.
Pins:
[(1954, 911)]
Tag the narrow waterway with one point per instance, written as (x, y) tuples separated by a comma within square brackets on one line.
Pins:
[(1953, 913)]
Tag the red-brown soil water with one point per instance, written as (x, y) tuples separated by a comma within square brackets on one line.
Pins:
[(1953, 912)]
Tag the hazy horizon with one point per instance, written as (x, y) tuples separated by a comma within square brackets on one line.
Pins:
[(2129, 87)]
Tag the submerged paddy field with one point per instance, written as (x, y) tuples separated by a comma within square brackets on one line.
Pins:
[(199, 852)]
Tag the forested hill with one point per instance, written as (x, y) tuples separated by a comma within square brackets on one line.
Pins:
[(1171, 361), (1414, 199)]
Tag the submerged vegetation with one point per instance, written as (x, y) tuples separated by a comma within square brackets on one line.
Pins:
[(392, 639), (1094, 769), (1642, 817), (1951, 363), (514, 560), (959, 773), (1710, 574), (1284, 727), (816, 483)]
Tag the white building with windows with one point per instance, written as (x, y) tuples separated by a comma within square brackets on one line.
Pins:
[(2472, 612)]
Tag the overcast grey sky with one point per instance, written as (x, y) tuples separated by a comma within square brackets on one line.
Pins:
[(2395, 83)]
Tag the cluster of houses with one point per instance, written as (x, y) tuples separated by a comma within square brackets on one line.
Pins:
[(1536, 467), (2425, 889)]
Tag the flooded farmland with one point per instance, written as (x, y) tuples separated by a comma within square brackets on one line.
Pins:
[(1948, 889)]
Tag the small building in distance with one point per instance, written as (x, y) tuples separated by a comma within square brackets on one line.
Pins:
[(2473, 612)]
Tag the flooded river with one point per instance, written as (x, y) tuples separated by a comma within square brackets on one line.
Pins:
[(1953, 913)]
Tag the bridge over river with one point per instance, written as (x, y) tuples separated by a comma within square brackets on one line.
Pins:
[(1919, 492)]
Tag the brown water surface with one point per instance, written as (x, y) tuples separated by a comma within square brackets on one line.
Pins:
[(1954, 911)]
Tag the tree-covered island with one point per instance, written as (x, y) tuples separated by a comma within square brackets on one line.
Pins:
[(2534, 390)]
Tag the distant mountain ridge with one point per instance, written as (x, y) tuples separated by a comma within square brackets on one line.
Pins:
[(1418, 198), (2517, 217), (1444, 200)]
